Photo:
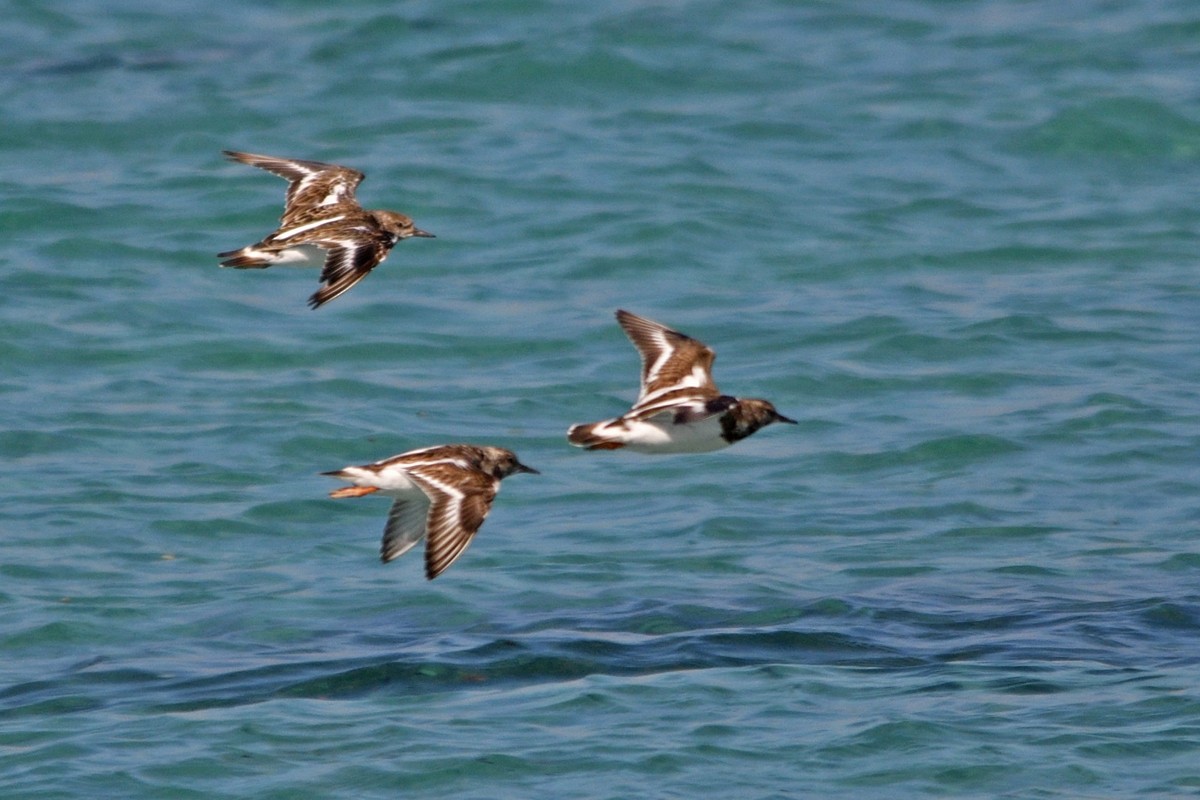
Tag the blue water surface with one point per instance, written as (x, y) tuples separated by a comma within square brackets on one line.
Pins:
[(956, 241)]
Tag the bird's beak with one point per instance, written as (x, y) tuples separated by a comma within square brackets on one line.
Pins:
[(422, 234), (781, 418), (522, 468)]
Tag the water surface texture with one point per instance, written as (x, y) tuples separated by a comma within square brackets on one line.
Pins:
[(957, 241)]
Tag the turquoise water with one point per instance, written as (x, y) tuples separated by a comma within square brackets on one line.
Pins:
[(957, 241)]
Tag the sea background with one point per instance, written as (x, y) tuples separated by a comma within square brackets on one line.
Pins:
[(958, 241)]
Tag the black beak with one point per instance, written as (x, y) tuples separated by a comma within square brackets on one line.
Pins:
[(422, 234), (522, 468), (781, 418)]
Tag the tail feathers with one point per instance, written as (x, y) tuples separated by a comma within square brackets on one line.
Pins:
[(245, 258), (349, 474), (589, 437)]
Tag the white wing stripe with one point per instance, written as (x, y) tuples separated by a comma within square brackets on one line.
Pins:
[(458, 462), (695, 380), (308, 226), (664, 355)]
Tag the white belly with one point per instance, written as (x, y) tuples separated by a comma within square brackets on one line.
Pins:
[(305, 255), (389, 481), (661, 435)]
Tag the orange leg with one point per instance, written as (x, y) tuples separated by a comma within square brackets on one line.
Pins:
[(353, 491), (607, 446)]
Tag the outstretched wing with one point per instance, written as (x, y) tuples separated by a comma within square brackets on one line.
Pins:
[(313, 186), (459, 501), (347, 262), (405, 527), (672, 363)]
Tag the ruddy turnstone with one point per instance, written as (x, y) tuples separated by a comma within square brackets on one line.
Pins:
[(679, 409), (322, 222), (441, 492)]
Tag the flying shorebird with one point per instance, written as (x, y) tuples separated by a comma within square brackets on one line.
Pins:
[(322, 222), (679, 409), (441, 493)]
